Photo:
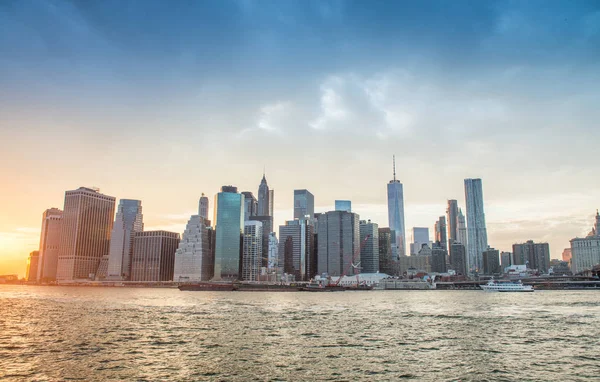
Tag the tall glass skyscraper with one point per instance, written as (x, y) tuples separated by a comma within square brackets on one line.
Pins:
[(229, 225), (476, 231), (304, 204), (395, 195), (128, 221)]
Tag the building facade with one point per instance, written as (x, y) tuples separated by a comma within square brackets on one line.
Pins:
[(263, 197), (229, 226), (203, 207), (128, 221), (343, 205), (153, 257), (440, 232), (534, 255), (273, 263), (85, 233), (477, 241), (250, 205), (585, 252), (395, 198), (304, 204), (491, 261), (33, 262), (461, 226), (452, 221), (439, 255), (49, 244), (253, 250), (296, 249), (458, 258), (420, 236), (386, 258), (194, 257), (369, 252), (506, 260), (338, 242)]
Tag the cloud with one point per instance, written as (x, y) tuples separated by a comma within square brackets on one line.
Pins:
[(272, 118)]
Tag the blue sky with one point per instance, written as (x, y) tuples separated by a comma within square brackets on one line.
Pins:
[(163, 100)]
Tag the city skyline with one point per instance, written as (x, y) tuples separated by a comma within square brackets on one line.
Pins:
[(502, 91)]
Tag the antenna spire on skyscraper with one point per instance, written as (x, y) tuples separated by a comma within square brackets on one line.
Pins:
[(394, 159)]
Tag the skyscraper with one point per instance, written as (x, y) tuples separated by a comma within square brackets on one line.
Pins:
[(203, 207), (49, 243), (252, 251), (33, 262), (420, 236), (386, 261), (440, 232), (304, 204), (452, 221), (267, 228), (476, 231), (128, 221), (395, 196), (271, 202), (369, 253), (85, 234), (438, 258), (339, 240), (153, 255), (250, 205), (461, 226), (585, 252), (491, 261), (229, 225), (458, 258), (273, 258), (298, 236), (263, 197), (343, 205), (194, 256)]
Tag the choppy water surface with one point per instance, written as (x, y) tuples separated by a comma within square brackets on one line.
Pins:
[(58, 333)]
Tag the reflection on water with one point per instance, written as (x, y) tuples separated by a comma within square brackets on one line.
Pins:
[(55, 333)]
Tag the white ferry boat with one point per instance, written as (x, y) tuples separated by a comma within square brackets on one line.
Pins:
[(508, 286)]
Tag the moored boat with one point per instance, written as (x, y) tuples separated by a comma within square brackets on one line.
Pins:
[(507, 286)]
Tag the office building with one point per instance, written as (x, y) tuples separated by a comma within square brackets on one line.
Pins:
[(567, 255), (253, 250), (33, 261), (271, 202), (439, 255), (267, 228), (304, 204), (85, 233), (339, 240), (273, 259), (203, 207), (386, 258), (194, 257), (440, 232), (153, 257), (296, 249), (263, 197), (559, 268), (415, 264), (128, 221), (534, 255), (476, 228), (420, 236), (452, 221), (49, 243), (458, 258), (250, 205), (395, 197), (369, 252), (461, 226), (585, 252), (229, 226), (343, 205), (491, 261)]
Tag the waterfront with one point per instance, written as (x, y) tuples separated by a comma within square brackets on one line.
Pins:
[(55, 333)]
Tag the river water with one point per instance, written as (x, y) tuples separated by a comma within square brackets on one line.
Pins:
[(78, 333)]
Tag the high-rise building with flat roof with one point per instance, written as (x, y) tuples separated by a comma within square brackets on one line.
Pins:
[(297, 257), (250, 205), (458, 258), (343, 205), (476, 229), (304, 204), (49, 243), (534, 255), (253, 250), (395, 197), (452, 221), (194, 259), (229, 226), (369, 252), (154, 255), (491, 261), (267, 228), (203, 207), (85, 234), (33, 262), (338, 242), (440, 232), (506, 260), (439, 255), (420, 236), (128, 221), (386, 259)]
